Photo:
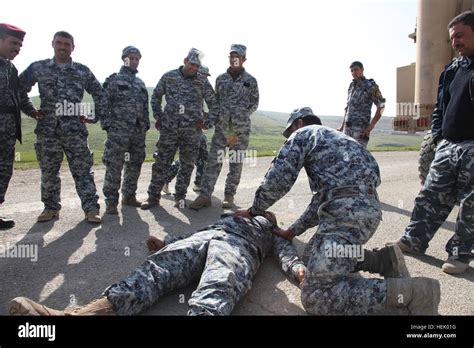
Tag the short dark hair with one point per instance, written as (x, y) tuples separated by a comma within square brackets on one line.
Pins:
[(356, 63), (312, 119), (466, 18), (64, 34)]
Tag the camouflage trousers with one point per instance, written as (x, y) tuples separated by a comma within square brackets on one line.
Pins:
[(122, 150), (187, 141), (7, 152), (450, 179), (49, 152), (200, 163), (356, 133), (330, 286), (223, 263), (237, 143)]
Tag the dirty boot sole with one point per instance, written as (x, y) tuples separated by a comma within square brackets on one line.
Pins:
[(398, 262), (19, 306)]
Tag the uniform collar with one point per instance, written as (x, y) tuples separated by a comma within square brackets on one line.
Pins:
[(235, 75), (467, 61), (126, 70), (69, 64)]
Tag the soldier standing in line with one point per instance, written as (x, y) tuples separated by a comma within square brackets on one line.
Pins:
[(362, 93), (180, 125), (451, 175), (12, 102), (126, 126), (62, 83), (202, 152), (343, 177), (224, 257), (237, 93)]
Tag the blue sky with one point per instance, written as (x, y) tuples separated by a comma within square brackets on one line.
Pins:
[(298, 50)]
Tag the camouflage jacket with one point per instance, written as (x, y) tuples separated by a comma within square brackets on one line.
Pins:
[(61, 91), (331, 160), (238, 98), (12, 99), (360, 96), (259, 232), (128, 102), (184, 100)]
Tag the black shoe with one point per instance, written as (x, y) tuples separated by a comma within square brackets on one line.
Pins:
[(6, 223)]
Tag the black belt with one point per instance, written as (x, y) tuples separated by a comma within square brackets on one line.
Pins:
[(8, 109), (346, 191)]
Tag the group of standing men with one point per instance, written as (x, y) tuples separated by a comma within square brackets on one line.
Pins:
[(121, 106)]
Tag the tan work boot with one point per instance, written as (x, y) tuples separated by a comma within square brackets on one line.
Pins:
[(25, 306), (101, 306), (166, 189), (228, 201), (420, 295), (387, 261), (93, 216), (200, 202), (455, 266), (151, 201), (111, 209), (131, 201), (47, 215)]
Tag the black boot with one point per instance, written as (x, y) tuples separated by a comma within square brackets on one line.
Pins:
[(6, 223), (388, 262)]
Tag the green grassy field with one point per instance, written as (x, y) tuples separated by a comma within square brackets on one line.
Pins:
[(265, 138)]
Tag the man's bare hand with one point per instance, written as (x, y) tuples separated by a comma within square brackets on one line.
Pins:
[(154, 244), (38, 115), (300, 275), (286, 234), (242, 214), (366, 132), (85, 119)]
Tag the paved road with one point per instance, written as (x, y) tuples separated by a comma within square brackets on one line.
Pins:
[(77, 260)]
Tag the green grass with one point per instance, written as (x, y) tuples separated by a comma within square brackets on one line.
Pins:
[(265, 137)]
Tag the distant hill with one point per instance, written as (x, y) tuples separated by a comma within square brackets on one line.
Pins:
[(265, 138)]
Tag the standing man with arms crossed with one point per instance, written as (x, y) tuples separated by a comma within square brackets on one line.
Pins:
[(62, 83), (343, 177), (451, 175), (180, 125), (362, 93), (12, 102), (126, 126), (237, 93)]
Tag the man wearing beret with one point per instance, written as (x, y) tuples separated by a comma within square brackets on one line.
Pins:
[(62, 83), (126, 126), (180, 124), (237, 93), (12, 102)]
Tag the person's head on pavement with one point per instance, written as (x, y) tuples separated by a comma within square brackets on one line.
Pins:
[(300, 118)]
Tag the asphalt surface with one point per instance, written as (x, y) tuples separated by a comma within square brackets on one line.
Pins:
[(77, 260)]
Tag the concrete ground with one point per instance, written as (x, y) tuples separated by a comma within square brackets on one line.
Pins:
[(77, 260)]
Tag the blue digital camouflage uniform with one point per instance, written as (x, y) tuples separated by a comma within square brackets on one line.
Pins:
[(450, 179), (224, 257), (200, 163), (61, 91), (238, 99), (183, 111), (361, 94), (343, 177), (12, 101), (126, 126)]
